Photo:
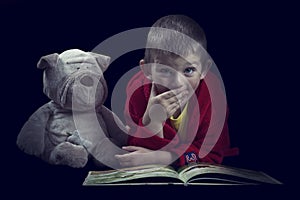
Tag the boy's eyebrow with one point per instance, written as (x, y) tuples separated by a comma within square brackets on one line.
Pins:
[(193, 59), (196, 63), (187, 63), (183, 63)]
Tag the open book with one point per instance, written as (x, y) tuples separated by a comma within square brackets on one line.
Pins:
[(197, 174)]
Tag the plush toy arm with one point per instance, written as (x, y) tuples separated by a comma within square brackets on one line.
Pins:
[(117, 131), (75, 138), (31, 136)]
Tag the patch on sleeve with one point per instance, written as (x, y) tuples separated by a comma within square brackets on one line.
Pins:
[(190, 157)]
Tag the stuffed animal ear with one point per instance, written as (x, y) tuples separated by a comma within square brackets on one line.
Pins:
[(102, 60), (48, 61)]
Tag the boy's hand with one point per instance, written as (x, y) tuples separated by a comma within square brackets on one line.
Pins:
[(136, 156), (164, 105), (141, 156), (136, 149)]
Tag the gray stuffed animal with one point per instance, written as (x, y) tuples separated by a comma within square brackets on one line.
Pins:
[(74, 125)]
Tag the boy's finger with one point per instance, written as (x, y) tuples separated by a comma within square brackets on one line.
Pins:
[(118, 156), (182, 89), (178, 93), (172, 109), (131, 148), (123, 158), (153, 92), (183, 101), (179, 90), (125, 164), (166, 95), (171, 100), (175, 105), (175, 99)]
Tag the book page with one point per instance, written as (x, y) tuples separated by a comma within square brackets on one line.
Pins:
[(126, 174), (187, 172), (190, 172)]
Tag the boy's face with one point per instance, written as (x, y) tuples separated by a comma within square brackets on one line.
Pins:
[(171, 73)]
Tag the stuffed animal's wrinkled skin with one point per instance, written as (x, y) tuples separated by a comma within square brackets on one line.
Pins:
[(74, 82)]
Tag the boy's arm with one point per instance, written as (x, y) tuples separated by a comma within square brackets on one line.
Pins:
[(186, 153), (215, 154), (215, 148), (212, 137)]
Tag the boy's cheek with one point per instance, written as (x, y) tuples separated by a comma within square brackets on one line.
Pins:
[(194, 83)]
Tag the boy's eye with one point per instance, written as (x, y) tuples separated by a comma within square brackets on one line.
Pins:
[(189, 70), (165, 71)]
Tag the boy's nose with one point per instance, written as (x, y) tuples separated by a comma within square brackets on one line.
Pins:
[(177, 81)]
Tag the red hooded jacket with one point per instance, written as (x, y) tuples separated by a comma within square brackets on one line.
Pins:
[(217, 145)]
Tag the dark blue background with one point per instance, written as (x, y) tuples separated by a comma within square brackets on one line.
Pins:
[(254, 45)]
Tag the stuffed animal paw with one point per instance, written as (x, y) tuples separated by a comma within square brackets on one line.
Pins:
[(75, 138), (69, 154)]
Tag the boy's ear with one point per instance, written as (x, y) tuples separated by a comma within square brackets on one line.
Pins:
[(146, 69), (206, 68)]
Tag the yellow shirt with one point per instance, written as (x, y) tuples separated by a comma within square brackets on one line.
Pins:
[(178, 121)]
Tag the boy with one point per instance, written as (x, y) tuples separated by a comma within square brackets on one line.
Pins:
[(170, 114)]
